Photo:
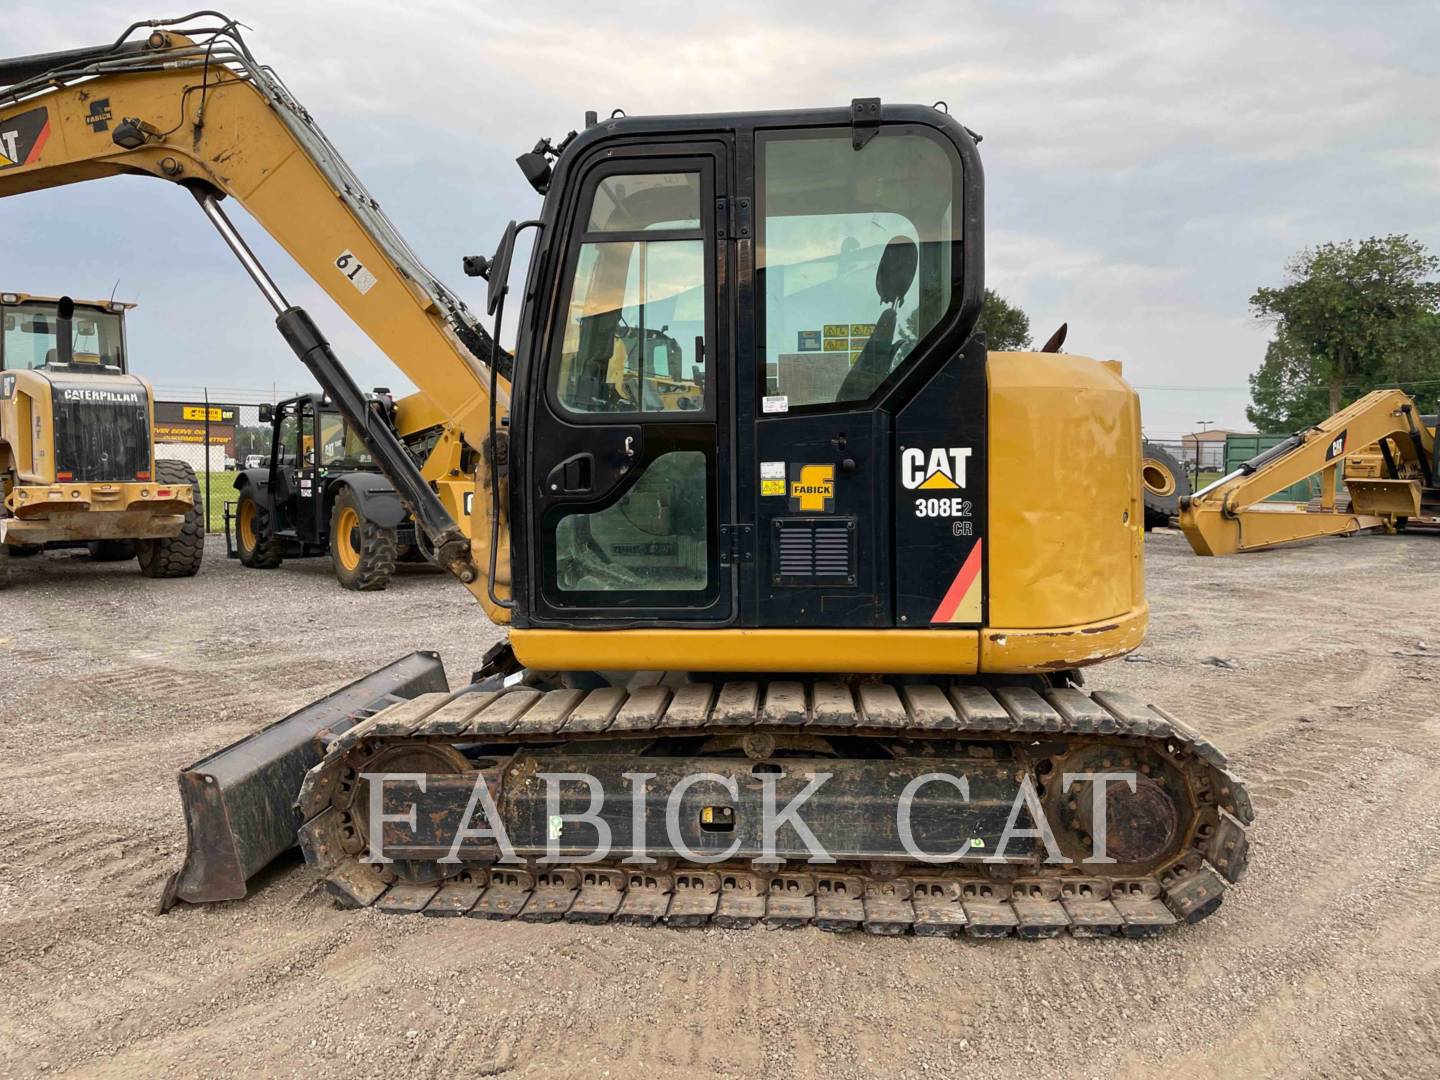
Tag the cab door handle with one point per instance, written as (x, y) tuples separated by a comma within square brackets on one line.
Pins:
[(574, 475)]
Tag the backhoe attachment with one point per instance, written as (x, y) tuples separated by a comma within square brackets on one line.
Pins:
[(1231, 516)]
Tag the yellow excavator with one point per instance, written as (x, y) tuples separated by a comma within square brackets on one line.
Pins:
[(774, 654), (1401, 460)]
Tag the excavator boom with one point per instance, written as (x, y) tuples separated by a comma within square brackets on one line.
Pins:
[(200, 112), (1231, 516)]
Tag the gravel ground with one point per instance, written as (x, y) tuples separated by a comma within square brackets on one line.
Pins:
[(1324, 962)]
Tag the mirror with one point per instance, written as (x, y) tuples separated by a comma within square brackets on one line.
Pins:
[(267, 413), (500, 268), (896, 272)]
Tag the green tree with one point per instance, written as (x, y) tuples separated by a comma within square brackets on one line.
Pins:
[(1351, 317), (1005, 326)]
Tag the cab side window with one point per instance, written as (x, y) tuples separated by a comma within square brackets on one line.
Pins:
[(854, 260), (633, 339)]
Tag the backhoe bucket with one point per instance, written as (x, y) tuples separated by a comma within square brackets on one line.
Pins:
[(1400, 498), (240, 802)]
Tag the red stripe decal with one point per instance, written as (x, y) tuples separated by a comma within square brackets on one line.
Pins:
[(34, 154), (960, 586)]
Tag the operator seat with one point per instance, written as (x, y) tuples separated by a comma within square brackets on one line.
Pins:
[(893, 278)]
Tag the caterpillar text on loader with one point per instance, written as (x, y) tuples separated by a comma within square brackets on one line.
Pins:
[(322, 493), (1401, 450), (77, 456), (830, 580)]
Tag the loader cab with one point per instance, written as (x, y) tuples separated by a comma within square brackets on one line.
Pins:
[(739, 331), (311, 443), (63, 335)]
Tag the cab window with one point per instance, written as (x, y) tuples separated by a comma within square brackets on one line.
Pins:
[(288, 437), (340, 445), (30, 337), (633, 339), (854, 259)]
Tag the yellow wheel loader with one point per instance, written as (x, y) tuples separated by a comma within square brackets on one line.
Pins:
[(77, 456), (807, 649)]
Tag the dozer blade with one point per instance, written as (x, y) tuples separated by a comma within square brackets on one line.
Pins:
[(240, 802)]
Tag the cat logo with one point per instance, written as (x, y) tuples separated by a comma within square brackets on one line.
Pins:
[(1336, 447), (812, 489), (939, 469), (23, 137)]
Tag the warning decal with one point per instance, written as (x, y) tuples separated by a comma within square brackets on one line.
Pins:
[(23, 137)]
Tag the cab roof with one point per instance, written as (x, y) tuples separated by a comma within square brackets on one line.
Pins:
[(31, 298)]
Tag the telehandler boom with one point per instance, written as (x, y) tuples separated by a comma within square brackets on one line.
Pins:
[(832, 554)]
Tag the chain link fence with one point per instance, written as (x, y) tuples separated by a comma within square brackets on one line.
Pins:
[(217, 432)]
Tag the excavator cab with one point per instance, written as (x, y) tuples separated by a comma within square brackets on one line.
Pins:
[(808, 278)]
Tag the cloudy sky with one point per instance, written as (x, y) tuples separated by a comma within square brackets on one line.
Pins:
[(1147, 165)]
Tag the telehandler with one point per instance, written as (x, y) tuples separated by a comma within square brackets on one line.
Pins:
[(322, 493), (834, 579), (77, 453)]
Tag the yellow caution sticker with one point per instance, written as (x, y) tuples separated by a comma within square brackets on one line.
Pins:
[(772, 487)]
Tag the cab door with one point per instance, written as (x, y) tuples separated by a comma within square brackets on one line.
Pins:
[(858, 314), (629, 461), (308, 506)]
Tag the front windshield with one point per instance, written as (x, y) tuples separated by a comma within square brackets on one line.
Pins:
[(339, 443), (30, 337)]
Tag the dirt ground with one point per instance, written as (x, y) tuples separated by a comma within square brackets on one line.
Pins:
[(1324, 962)]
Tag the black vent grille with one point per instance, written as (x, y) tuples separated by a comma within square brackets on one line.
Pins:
[(101, 434), (813, 551)]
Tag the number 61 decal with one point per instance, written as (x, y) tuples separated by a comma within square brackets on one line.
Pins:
[(355, 272)]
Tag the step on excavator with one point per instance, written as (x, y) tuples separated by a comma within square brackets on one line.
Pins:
[(799, 581)]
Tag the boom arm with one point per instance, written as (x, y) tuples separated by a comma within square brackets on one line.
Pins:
[(1230, 515), (193, 107)]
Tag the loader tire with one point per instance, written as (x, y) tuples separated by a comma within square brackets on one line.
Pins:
[(255, 540), (179, 555), (362, 552), (1164, 481), (111, 550)]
